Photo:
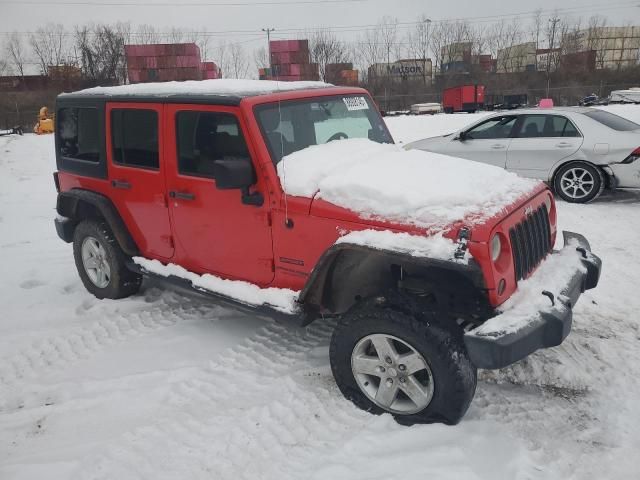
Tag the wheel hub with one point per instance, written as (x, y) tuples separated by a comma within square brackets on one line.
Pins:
[(392, 374), (94, 261)]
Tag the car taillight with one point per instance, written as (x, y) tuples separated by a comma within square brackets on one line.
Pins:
[(633, 157), (56, 180)]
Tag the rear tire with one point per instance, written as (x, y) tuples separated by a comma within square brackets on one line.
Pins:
[(578, 182), (101, 262), (447, 382)]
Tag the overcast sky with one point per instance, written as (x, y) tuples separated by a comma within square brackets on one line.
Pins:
[(26, 15)]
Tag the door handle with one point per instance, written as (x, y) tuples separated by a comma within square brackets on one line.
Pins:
[(563, 144), (498, 146), (182, 195), (123, 184)]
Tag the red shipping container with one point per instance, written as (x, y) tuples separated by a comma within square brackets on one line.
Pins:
[(295, 69), (192, 49), (151, 62), (276, 46), (468, 98)]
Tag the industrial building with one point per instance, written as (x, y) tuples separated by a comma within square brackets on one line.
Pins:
[(517, 58), (403, 70), (615, 47)]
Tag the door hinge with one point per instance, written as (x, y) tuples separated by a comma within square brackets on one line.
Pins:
[(269, 220)]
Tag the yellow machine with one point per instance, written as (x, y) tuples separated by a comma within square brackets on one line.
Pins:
[(45, 122)]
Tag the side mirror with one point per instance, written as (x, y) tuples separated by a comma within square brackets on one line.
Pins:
[(232, 173), (237, 173), (462, 136)]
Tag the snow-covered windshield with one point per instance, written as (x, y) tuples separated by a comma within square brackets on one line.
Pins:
[(293, 125)]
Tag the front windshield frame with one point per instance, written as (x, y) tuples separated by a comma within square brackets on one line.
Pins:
[(275, 158)]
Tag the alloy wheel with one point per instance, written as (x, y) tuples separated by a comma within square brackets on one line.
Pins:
[(94, 260), (577, 183), (392, 374)]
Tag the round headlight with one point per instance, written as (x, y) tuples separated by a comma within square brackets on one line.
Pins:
[(496, 246)]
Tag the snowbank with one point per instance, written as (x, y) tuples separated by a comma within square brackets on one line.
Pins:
[(409, 128), (389, 183), (211, 87), (435, 246), (281, 299)]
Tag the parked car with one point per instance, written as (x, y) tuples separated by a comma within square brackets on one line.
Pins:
[(579, 151), (180, 182), (425, 108)]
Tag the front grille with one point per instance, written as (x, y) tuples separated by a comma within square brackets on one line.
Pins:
[(530, 242)]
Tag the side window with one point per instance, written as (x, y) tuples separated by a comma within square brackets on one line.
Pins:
[(134, 137), (568, 128), (79, 133), (204, 137), (499, 127), (533, 126), (549, 126)]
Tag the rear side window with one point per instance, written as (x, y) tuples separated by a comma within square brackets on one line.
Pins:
[(79, 133), (541, 126), (134, 137), (612, 121), (204, 137)]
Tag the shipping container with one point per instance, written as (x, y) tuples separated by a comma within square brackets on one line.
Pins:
[(464, 98)]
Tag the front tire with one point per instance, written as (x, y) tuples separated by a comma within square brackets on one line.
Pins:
[(101, 262), (387, 360), (578, 182)]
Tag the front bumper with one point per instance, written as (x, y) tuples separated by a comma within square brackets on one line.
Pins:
[(529, 325)]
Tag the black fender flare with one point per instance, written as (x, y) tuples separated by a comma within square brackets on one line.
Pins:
[(78, 204), (348, 272)]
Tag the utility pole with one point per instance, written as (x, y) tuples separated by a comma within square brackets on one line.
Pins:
[(268, 31)]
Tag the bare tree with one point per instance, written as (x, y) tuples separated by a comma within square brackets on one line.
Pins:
[(202, 40), (388, 34), (4, 67), (419, 40), (325, 48), (261, 58), (147, 34), (49, 44), (594, 38), (101, 50), (238, 61), (502, 42), (16, 53), (536, 33)]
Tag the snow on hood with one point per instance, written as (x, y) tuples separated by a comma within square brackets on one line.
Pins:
[(222, 87), (387, 182)]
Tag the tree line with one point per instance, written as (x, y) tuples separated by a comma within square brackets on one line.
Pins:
[(98, 49)]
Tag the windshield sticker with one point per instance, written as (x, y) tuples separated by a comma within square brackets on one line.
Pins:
[(356, 103)]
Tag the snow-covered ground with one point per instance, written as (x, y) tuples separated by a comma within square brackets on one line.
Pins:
[(164, 385)]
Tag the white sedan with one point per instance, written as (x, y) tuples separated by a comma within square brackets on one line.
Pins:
[(579, 151)]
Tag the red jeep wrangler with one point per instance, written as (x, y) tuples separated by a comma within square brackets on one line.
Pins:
[(181, 181)]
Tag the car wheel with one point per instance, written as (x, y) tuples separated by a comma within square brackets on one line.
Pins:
[(386, 360), (101, 262), (579, 182)]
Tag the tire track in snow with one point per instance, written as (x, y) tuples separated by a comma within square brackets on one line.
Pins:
[(162, 310), (264, 397)]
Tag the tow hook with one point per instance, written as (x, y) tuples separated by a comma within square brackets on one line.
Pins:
[(550, 296), (463, 239)]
